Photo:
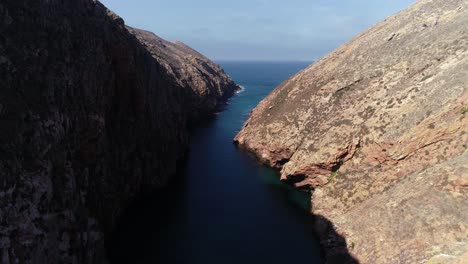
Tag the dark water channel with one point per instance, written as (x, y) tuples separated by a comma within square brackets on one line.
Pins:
[(223, 207)]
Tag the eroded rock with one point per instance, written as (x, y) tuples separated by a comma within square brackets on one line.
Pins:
[(368, 120), (205, 83), (88, 119)]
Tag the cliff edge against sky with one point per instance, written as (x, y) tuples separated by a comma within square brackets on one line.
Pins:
[(205, 83), (89, 118), (377, 130)]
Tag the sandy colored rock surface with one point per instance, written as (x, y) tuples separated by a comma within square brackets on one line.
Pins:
[(205, 83), (378, 129)]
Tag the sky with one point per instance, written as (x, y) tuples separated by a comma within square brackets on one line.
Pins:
[(264, 30)]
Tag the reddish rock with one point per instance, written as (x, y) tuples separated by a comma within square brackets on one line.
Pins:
[(378, 131)]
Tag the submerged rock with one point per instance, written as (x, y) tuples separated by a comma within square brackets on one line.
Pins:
[(378, 131), (88, 119)]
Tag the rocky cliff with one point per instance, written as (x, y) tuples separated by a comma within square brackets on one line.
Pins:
[(205, 84), (88, 119), (377, 130)]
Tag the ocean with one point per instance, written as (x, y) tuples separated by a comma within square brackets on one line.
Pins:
[(223, 206)]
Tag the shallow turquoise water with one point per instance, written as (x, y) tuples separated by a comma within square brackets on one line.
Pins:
[(223, 207)]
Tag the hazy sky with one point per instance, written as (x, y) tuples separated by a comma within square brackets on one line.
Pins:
[(257, 29)]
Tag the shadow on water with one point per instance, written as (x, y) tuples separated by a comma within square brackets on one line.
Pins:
[(136, 236), (222, 206), (141, 235), (333, 246)]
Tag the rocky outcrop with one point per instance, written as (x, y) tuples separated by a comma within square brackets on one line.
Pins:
[(378, 131), (205, 83), (88, 119)]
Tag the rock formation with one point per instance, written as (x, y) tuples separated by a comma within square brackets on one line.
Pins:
[(88, 119), (206, 84), (377, 130)]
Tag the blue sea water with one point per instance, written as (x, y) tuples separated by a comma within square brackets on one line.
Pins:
[(223, 207)]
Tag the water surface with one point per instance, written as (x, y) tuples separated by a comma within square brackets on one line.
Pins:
[(223, 207)]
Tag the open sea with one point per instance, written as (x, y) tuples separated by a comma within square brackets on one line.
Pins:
[(223, 207)]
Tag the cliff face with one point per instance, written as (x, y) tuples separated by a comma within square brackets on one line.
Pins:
[(88, 119), (378, 130), (205, 84)]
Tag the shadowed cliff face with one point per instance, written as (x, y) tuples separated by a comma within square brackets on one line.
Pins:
[(88, 119), (378, 129), (206, 85)]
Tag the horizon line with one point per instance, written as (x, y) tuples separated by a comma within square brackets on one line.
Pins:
[(262, 60)]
